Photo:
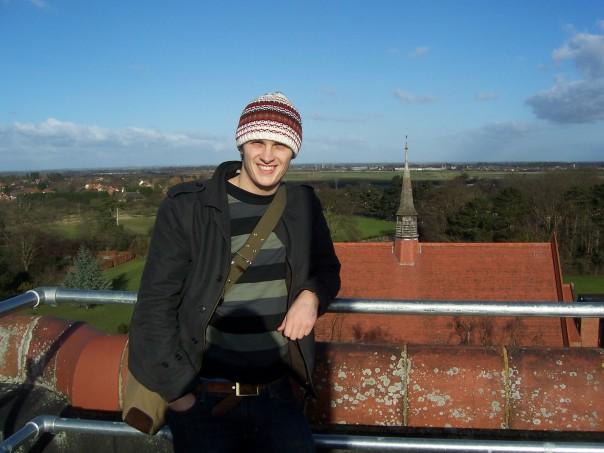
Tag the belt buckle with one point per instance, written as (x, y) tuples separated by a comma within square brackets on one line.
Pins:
[(239, 393)]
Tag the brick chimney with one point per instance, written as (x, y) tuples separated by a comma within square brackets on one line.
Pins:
[(406, 243)]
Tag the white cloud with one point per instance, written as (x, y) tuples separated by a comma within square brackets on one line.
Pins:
[(63, 144), (580, 101), (65, 133), (410, 98), (577, 101), (587, 52), (486, 96), (419, 52)]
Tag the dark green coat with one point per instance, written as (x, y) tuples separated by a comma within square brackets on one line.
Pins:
[(187, 265)]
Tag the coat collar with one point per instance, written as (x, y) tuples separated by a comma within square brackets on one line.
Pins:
[(216, 186)]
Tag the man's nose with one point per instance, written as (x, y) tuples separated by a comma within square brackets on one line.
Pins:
[(268, 154)]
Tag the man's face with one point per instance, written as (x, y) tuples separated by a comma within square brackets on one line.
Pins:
[(265, 163)]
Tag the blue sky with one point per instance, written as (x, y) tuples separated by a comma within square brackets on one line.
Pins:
[(133, 83)]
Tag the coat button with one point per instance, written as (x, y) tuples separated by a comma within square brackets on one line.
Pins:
[(202, 308), (219, 278), (194, 340), (165, 364)]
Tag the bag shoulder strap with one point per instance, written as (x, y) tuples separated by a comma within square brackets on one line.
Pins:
[(246, 254)]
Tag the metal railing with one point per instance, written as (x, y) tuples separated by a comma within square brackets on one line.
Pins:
[(593, 309), (53, 425)]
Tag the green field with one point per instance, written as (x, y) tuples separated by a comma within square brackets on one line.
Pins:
[(71, 227), (127, 276), (586, 284), (358, 228), (371, 227), (137, 224), (106, 318), (370, 175)]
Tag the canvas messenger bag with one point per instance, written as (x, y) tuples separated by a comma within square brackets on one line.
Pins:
[(144, 409)]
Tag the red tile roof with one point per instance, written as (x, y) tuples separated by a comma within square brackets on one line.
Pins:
[(453, 271), (450, 271)]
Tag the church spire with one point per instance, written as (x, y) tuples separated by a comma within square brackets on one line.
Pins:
[(406, 216)]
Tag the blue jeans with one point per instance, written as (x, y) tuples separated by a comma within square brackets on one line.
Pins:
[(271, 422)]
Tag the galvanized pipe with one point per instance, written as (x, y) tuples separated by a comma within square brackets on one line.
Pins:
[(30, 430), (402, 444), (392, 307), (52, 424), (469, 308), (14, 303), (52, 295)]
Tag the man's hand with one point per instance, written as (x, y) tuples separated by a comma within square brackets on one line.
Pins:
[(183, 403), (301, 316)]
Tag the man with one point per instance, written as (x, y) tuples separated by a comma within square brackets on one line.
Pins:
[(201, 349)]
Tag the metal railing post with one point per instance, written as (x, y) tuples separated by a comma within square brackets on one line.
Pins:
[(22, 300), (53, 425), (592, 309)]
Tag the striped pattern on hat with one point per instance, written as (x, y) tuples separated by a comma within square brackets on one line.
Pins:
[(271, 117)]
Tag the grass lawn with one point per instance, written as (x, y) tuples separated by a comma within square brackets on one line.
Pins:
[(137, 224), (69, 229), (127, 276), (586, 284), (370, 227), (106, 318)]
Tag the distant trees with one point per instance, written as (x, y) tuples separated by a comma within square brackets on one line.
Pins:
[(40, 233), (512, 209), (339, 209), (21, 233), (473, 222)]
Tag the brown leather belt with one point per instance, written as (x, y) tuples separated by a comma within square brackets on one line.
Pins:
[(232, 388), (234, 391)]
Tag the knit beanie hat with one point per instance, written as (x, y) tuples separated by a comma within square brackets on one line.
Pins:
[(271, 117)]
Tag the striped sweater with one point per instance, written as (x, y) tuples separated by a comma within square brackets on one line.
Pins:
[(242, 339)]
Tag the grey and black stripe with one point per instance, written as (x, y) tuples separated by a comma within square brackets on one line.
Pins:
[(242, 341)]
